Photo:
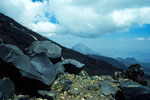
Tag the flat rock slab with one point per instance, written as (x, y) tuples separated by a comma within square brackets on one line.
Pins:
[(133, 91)]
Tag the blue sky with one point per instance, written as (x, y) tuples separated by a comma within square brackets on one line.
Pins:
[(118, 28)]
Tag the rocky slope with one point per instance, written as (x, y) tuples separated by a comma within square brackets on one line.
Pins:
[(12, 32), (110, 60)]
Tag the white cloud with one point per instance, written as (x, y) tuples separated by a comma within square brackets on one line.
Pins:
[(84, 18), (44, 27), (140, 38)]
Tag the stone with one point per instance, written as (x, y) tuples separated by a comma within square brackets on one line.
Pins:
[(7, 89), (136, 73), (72, 66), (41, 64), (52, 50), (59, 68), (74, 92), (66, 84), (9, 53), (38, 67), (131, 90), (93, 87), (48, 95), (22, 97), (107, 89)]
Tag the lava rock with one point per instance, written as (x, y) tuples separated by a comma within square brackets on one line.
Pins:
[(93, 87), (44, 67), (38, 67), (66, 84), (22, 97), (9, 53), (52, 50), (7, 89), (48, 95), (59, 68), (72, 66), (74, 92), (107, 89), (131, 90), (136, 73)]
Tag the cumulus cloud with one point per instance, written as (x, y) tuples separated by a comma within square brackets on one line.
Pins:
[(140, 38), (83, 18)]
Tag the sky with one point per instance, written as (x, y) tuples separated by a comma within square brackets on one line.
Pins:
[(114, 28)]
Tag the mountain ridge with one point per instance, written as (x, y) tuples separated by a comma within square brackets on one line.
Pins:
[(82, 48)]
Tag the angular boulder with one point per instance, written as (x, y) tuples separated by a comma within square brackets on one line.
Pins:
[(72, 66), (59, 68), (131, 90), (9, 53), (38, 67), (52, 50), (107, 89), (136, 73)]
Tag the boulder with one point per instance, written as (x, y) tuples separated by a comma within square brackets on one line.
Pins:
[(72, 66), (107, 89), (38, 67), (52, 50), (7, 89), (136, 73), (9, 53), (131, 90), (28, 73), (59, 68)]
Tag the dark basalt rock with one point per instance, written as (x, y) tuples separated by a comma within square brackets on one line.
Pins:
[(59, 68), (52, 50), (107, 89), (136, 73), (133, 91), (7, 89), (38, 67), (66, 84), (28, 73), (72, 66)]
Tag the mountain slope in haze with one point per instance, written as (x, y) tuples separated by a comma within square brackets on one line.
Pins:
[(110, 61), (131, 60), (89, 52), (12, 32), (80, 47)]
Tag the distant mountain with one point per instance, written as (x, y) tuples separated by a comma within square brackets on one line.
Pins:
[(109, 60), (80, 47), (127, 61), (14, 33)]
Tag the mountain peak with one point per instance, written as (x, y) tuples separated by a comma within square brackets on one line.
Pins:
[(82, 48)]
